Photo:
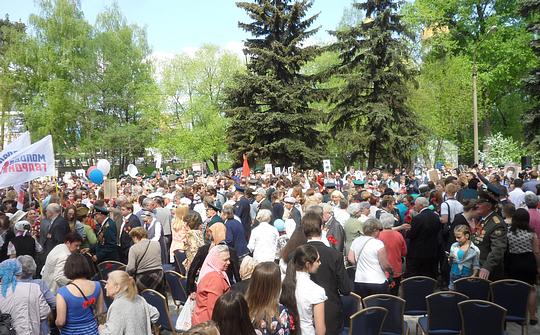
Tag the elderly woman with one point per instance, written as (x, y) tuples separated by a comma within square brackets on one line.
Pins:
[(263, 239), (144, 260), (213, 283), (23, 301), (370, 257), (246, 269), (28, 270), (23, 243), (129, 313), (396, 248), (217, 235), (531, 201)]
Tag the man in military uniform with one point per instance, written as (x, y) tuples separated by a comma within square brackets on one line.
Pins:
[(490, 237), (106, 248)]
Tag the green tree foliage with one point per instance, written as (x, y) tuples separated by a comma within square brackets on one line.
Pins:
[(502, 150), (376, 66), (270, 115), (530, 9), (490, 32), (195, 89), (10, 33), (91, 87)]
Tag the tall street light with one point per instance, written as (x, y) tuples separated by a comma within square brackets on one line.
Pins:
[(491, 30)]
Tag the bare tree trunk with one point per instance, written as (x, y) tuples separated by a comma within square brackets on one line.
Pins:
[(372, 154)]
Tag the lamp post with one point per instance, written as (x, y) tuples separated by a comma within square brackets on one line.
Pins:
[(492, 29)]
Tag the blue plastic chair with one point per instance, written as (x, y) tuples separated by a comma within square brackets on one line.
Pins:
[(414, 291), (473, 287), (157, 300), (512, 295), (106, 267), (351, 303), (481, 317), (176, 284), (394, 324), (368, 321), (443, 314), (179, 257)]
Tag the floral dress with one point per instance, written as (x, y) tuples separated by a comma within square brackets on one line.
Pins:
[(281, 325), (193, 241)]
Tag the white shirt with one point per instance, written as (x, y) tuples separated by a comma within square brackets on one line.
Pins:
[(201, 209), (517, 197), (53, 270), (263, 242), (341, 215), (368, 268), (307, 294), (455, 208), (157, 231)]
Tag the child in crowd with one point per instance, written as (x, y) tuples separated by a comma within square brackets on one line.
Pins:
[(464, 256)]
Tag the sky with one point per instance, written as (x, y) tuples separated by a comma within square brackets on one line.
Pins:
[(175, 26)]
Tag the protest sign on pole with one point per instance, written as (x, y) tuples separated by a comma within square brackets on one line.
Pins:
[(268, 168), (277, 171), (110, 191), (34, 161)]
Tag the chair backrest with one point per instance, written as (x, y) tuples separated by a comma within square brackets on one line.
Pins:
[(179, 257), (443, 310), (414, 291), (512, 295), (368, 321), (174, 283), (351, 272), (351, 303), (157, 300), (395, 307), (481, 317), (473, 287), (107, 267), (108, 300)]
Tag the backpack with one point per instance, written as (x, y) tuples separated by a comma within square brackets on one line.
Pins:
[(6, 327)]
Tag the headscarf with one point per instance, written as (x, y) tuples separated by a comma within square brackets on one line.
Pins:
[(8, 270), (214, 262), (247, 267), (219, 232)]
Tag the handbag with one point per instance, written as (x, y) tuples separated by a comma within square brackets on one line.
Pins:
[(184, 319)]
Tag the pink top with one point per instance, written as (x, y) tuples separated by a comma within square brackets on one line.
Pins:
[(534, 220), (395, 246)]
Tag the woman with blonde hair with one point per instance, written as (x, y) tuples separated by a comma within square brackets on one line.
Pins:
[(179, 230), (129, 313)]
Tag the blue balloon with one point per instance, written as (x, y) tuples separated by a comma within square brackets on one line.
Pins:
[(279, 224), (96, 176)]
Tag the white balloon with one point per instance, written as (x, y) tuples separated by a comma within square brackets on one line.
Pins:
[(104, 166), (132, 170)]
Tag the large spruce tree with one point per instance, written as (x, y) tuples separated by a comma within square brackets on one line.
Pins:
[(376, 67), (530, 9), (269, 106)]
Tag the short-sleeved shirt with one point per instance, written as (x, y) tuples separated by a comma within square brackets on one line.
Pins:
[(455, 208), (368, 268), (307, 294)]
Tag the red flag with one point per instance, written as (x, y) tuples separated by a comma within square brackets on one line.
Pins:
[(245, 167)]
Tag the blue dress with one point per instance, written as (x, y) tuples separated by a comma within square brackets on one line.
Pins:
[(80, 316)]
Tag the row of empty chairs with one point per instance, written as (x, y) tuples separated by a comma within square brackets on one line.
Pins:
[(446, 312)]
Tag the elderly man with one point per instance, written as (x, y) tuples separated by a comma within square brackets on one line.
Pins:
[(53, 270), (531, 201), (55, 233), (423, 245), (106, 248), (289, 204), (335, 234), (263, 239)]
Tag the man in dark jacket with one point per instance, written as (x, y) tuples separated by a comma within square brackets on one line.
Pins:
[(423, 245), (294, 213), (129, 221), (58, 228), (242, 209), (331, 274)]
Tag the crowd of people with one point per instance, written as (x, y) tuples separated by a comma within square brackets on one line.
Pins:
[(264, 254)]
